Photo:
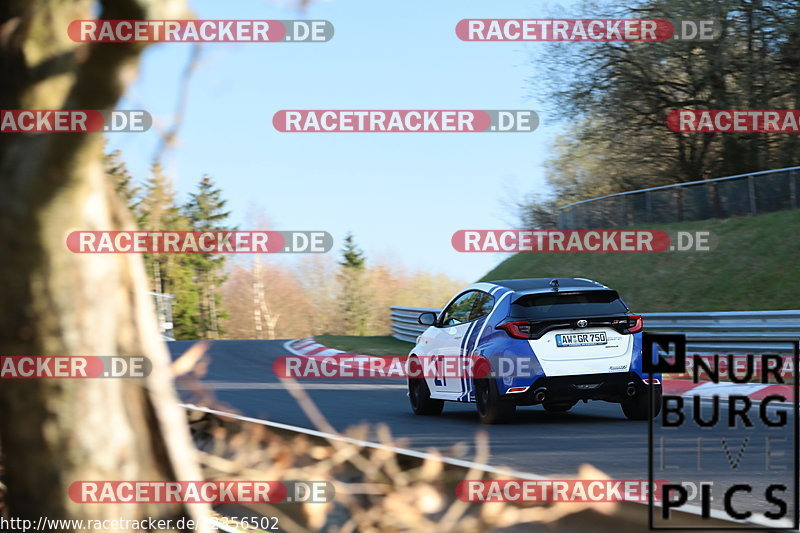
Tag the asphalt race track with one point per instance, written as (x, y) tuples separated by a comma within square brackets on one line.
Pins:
[(548, 444)]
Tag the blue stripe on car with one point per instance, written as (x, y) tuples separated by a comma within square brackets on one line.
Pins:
[(474, 338)]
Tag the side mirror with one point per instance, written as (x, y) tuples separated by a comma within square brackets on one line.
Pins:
[(427, 318)]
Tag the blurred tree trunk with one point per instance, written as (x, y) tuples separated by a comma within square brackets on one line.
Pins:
[(54, 302)]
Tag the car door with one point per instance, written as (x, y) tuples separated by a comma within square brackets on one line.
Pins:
[(445, 345), (480, 313)]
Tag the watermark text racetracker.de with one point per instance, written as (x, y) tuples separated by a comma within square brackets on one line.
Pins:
[(234, 492), (199, 242), (74, 366), (44, 523), (580, 241), (206, 491), (734, 121), (592, 29), (555, 490), (196, 31), (439, 367), (74, 120), (353, 366), (404, 120)]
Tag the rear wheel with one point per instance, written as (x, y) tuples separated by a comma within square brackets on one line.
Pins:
[(638, 407), (492, 408), (419, 394)]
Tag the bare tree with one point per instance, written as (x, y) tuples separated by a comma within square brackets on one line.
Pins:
[(54, 432), (263, 315)]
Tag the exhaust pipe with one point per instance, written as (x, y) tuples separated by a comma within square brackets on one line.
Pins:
[(631, 390), (540, 394)]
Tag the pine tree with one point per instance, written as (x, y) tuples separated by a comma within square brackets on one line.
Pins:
[(169, 273), (354, 308), (157, 208), (115, 168), (352, 256), (205, 211)]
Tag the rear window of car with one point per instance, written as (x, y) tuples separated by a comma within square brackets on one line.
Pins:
[(568, 305)]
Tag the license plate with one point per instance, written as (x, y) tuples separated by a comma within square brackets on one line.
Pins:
[(581, 339)]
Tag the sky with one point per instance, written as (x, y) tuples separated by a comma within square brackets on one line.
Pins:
[(402, 195)]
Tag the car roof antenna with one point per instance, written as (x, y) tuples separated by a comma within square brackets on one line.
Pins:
[(554, 284)]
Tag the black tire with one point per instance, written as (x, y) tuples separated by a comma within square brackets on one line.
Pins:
[(558, 407), (492, 408), (420, 395), (638, 407)]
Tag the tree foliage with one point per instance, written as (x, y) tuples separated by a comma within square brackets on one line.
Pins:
[(617, 96), (116, 169), (194, 279), (169, 273), (205, 211), (354, 311)]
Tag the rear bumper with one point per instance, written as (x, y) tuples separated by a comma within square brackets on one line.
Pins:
[(613, 387)]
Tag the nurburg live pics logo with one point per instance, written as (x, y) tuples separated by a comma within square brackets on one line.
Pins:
[(756, 491)]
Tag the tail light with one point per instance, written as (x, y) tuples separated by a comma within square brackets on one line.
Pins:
[(635, 323), (518, 330)]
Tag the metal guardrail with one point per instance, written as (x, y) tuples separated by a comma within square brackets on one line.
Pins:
[(741, 195), (404, 322), (733, 331)]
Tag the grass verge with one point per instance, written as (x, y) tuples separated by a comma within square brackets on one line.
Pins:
[(754, 266)]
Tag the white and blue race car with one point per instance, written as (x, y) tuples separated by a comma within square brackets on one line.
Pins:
[(543, 341)]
